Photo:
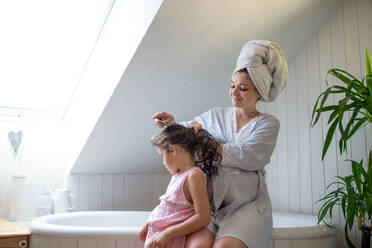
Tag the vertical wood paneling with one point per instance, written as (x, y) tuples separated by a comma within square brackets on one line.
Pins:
[(118, 193), (130, 200), (96, 193), (325, 62), (140, 194), (303, 134), (73, 186), (107, 192), (353, 65), (338, 55), (87, 243), (316, 136), (292, 144), (68, 243), (121, 243), (147, 190), (36, 241), (338, 59), (282, 243), (50, 242), (308, 243), (106, 243), (85, 184), (281, 146), (272, 168)]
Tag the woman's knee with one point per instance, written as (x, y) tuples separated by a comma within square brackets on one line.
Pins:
[(228, 242), (200, 239)]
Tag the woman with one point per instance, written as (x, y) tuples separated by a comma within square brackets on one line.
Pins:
[(240, 204)]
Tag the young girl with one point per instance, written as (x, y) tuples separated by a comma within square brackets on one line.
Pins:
[(184, 208)]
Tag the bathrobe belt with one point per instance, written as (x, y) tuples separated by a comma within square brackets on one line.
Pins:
[(262, 192), (261, 196)]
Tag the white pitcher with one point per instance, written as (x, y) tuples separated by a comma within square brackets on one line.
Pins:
[(63, 201)]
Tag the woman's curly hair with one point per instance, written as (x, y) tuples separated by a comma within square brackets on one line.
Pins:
[(201, 145)]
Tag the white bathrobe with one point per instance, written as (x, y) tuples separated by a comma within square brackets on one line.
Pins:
[(240, 203)]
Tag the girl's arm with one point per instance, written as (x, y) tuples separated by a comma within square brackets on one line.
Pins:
[(143, 232), (197, 188)]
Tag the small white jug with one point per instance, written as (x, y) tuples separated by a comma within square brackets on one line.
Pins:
[(63, 201)]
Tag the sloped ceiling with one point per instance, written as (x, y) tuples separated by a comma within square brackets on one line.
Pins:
[(183, 67)]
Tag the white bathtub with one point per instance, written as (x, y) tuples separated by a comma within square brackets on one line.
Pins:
[(114, 229)]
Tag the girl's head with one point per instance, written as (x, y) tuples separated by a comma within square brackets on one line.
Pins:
[(201, 145)]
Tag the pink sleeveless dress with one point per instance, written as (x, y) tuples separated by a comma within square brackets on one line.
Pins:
[(173, 209)]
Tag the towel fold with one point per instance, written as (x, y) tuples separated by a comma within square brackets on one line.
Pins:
[(266, 65)]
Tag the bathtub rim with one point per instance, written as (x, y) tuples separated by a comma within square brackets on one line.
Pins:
[(40, 227)]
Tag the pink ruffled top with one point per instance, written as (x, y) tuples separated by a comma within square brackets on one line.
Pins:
[(172, 210)]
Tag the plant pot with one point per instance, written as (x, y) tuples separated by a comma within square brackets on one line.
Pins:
[(366, 237)]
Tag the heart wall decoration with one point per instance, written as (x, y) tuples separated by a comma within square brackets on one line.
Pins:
[(15, 139)]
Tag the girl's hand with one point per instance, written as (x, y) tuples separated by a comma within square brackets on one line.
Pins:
[(159, 241), (143, 232), (196, 126), (162, 119)]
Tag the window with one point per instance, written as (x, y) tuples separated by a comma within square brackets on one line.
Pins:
[(44, 48)]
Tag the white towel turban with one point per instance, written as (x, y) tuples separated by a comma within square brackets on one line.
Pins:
[(266, 65)]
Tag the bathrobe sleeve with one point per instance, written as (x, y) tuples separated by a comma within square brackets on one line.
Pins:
[(207, 119), (253, 151)]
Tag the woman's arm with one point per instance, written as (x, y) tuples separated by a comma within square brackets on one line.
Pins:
[(163, 119), (197, 188), (254, 152)]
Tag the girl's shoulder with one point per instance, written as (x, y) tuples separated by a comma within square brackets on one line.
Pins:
[(195, 177), (196, 172)]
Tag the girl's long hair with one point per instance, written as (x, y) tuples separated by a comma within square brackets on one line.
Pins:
[(201, 145)]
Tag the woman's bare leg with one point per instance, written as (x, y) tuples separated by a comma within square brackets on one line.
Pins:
[(228, 242), (200, 239)]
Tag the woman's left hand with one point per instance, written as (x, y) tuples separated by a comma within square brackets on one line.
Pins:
[(159, 241), (196, 125)]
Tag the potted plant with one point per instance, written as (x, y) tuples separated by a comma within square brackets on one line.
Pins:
[(354, 192)]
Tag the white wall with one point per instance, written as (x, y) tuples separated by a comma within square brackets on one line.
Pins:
[(297, 177)]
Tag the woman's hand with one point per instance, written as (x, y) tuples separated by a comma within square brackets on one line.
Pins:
[(143, 232), (196, 126), (162, 119), (159, 241)]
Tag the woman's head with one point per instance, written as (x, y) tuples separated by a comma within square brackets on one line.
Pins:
[(201, 145), (266, 66), (243, 93)]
